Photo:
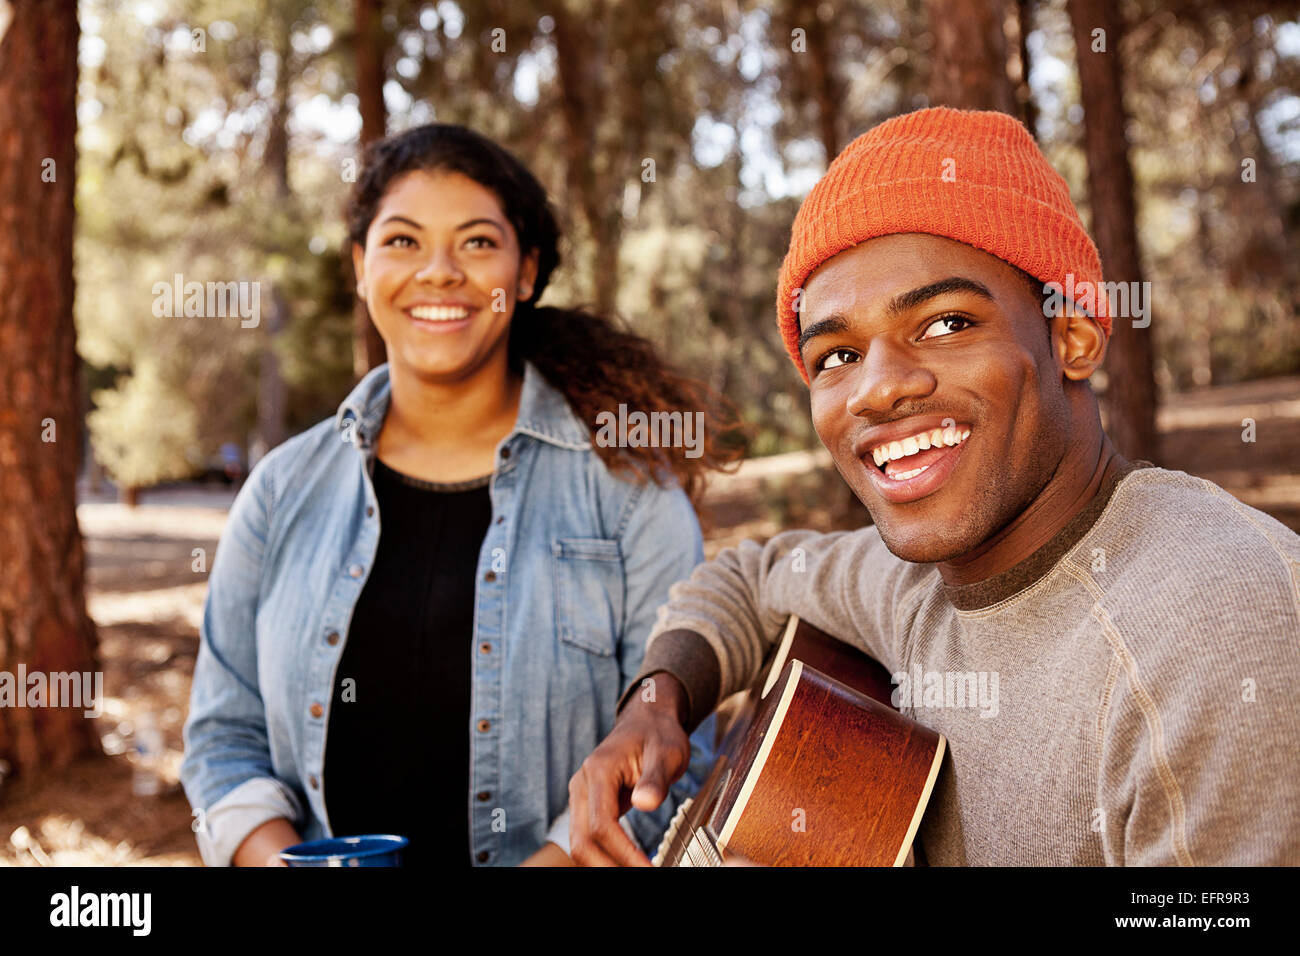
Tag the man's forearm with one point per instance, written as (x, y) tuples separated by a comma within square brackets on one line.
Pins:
[(681, 663)]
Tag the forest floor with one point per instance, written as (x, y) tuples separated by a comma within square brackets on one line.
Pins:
[(146, 583)]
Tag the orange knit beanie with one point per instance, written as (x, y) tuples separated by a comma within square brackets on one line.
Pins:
[(976, 177)]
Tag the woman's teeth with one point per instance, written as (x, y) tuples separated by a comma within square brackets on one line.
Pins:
[(439, 313), (934, 438)]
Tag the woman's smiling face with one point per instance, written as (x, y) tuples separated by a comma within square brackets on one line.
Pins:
[(442, 271), (936, 387)]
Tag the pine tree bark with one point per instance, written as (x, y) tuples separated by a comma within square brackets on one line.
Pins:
[(272, 390), (1130, 398), (44, 626), (368, 349), (585, 80), (968, 63)]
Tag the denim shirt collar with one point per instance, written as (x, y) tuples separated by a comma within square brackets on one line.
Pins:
[(544, 412)]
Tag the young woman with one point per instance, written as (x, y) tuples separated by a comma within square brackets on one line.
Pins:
[(423, 611)]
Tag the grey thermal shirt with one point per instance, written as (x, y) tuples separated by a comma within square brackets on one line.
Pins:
[(1128, 695)]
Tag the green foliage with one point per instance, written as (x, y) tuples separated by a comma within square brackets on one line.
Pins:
[(144, 431), (179, 173)]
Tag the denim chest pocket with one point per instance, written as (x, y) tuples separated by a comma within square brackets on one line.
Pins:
[(589, 588)]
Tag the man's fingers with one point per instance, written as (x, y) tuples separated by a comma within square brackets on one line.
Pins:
[(602, 818), (651, 788), (586, 837), (581, 847), (660, 766)]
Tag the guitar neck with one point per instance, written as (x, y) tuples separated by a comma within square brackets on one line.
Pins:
[(688, 842), (700, 850)]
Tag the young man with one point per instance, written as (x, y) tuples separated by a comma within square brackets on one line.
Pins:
[(1139, 628)]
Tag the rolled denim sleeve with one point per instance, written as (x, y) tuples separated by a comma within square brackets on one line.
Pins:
[(661, 544), (231, 819), (226, 771)]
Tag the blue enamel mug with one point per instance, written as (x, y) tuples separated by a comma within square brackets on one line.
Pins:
[(371, 850)]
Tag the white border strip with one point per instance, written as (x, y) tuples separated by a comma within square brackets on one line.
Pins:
[(923, 802), (782, 652)]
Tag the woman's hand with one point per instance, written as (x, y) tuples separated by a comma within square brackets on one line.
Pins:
[(262, 847), (549, 855)]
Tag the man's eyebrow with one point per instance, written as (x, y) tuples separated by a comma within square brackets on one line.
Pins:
[(464, 225), (828, 326), (910, 300), (835, 322)]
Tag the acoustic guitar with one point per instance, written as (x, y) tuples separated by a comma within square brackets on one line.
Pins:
[(817, 769)]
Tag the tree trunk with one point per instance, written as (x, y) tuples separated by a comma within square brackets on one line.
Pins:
[(368, 348), (1130, 361), (583, 77), (826, 89), (44, 627), (1024, 94), (272, 390), (968, 63)]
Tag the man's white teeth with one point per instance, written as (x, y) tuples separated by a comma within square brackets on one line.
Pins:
[(439, 313), (903, 476), (934, 438)]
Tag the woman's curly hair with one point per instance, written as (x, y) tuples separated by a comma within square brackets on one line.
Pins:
[(595, 363)]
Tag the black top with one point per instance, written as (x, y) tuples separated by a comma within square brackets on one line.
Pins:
[(397, 749)]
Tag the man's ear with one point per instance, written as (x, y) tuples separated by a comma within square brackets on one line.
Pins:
[(358, 266), (1080, 342)]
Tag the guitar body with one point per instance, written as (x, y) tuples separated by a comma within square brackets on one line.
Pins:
[(817, 769)]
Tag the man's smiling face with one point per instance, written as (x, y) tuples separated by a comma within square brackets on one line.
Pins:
[(906, 334)]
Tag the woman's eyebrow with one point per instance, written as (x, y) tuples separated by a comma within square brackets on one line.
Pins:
[(396, 218), (480, 221), (464, 225)]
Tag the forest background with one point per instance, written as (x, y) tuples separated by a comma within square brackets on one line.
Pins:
[(218, 140)]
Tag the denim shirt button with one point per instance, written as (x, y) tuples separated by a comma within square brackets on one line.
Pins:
[(317, 710), (483, 796), (490, 576), (356, 570), (484, 726), (485, 648), (315, 783), (505, 452), (333, 638), (483, 856), (370, 511)]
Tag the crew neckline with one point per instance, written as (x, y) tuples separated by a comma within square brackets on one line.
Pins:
[(982, 594), (468, 484)]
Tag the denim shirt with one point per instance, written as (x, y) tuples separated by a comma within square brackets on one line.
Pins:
[(574, 565)]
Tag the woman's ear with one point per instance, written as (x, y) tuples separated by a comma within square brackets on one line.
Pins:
[(527, 276), (359, 268)]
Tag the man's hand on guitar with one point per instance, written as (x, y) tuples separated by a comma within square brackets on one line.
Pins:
[(633, 767)]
